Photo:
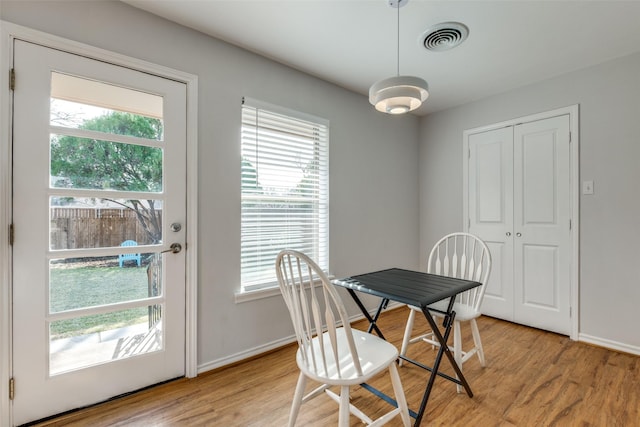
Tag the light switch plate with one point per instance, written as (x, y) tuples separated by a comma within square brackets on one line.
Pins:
[(587, 187)]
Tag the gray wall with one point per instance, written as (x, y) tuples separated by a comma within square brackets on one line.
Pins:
[(609, 100), (379, 194), (373, 161)]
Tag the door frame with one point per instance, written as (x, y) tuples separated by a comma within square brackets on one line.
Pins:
[(574, 164), (9, 32)]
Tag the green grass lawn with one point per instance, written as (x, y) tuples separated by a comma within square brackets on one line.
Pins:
[(77, 286)]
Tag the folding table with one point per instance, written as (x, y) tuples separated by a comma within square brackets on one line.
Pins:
[(419, 290)]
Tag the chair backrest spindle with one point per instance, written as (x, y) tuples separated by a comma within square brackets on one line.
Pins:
[(464, 256)]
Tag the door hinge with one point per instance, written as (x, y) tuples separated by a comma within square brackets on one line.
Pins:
[(569, 136), (11, 234), (12, 79), (569, 224), (12, 388)]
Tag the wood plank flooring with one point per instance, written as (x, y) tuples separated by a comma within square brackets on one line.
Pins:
[(532, 378)]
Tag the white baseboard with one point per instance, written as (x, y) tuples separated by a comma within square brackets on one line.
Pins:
[(612, 345), (255, 351), (218, 363)]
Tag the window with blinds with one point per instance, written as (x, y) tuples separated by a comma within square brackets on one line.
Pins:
[(285, 189)]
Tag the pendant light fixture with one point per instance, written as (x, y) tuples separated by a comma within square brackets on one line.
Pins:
[(399, 94)]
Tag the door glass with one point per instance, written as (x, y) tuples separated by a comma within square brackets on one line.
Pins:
[(81, 103), (82, 222), (82, 116), (103, 303), (85, 341), (115, 165), (89, 282)]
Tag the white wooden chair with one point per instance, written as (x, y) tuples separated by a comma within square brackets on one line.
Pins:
[(329, 351), (464, 256)]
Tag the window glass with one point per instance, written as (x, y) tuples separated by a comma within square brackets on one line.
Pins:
[(285, 186)]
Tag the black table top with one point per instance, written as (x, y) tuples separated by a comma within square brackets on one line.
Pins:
[(408, 287)]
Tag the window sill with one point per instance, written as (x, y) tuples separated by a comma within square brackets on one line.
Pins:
[(257, 294)]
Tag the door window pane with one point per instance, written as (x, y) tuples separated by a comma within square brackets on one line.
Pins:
[(91, 340), (80, 223), (85, 163), (81, 103), (80, 116), (90, 282)]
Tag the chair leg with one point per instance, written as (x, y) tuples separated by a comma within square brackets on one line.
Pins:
[(399, 393), (343, 420), (477, 341), (407, 335), (457, 347), (297, 399)]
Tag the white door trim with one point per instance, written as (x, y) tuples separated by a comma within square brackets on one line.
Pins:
[(573, 112), (9, 32)]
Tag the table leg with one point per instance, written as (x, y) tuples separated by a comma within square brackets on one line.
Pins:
[(444, 349), (363, 309)]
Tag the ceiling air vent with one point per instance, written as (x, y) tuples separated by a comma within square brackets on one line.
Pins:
[(444, 36)]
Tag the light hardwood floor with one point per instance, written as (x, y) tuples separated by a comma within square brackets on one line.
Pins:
[(532, 378)]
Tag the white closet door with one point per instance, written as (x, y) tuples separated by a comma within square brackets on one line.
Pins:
[(491, 213), (542, 214), (519, 203)]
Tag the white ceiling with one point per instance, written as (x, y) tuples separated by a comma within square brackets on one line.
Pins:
[(353, 43)]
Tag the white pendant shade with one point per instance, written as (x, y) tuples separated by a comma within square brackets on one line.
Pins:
[(398, 95)]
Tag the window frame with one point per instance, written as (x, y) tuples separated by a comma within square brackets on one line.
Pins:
[(257, 116)]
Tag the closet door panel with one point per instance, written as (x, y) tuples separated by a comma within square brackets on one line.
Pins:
[(541, 224), (540, 277), (491, 213)]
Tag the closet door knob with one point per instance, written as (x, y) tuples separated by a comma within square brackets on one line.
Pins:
[(508, 233), (518, 234)]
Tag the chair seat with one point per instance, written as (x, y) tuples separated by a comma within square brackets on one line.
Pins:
[(377, 353), (463, 311)]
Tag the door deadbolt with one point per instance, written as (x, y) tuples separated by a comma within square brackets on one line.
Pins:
[(176, 226)]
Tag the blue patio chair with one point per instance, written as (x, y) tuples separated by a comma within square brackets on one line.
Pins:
[(123, 257)]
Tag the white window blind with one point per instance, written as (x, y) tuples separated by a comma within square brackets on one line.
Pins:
[(285, 189)]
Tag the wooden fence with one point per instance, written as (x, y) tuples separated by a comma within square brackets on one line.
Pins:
[(73, 228)]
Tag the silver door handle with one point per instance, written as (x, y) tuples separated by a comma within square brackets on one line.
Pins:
[(174, 248), (518, 234), (508, 233)]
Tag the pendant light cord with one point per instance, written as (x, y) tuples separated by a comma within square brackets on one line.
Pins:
[(398, 41)]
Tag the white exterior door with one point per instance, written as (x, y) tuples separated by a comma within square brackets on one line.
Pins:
[(519, 203), (99, 157)]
